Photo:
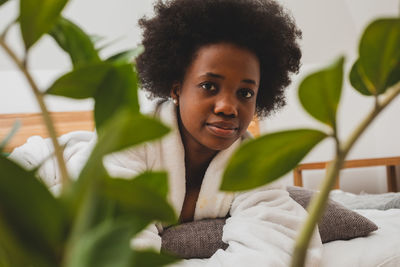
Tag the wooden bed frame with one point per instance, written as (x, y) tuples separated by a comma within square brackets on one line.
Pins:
[(32, 124), (389, 163)]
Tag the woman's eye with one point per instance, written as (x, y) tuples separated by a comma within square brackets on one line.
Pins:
[(208, 86), (246, 93)]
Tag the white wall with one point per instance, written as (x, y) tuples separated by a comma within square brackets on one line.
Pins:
[(330, 28)]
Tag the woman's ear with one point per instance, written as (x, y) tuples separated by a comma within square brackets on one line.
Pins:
[(175, 91)]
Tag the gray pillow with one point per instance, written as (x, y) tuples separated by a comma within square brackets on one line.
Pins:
[(338, 222), (198, 239)]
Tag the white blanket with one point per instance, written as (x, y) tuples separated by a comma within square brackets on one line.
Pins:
[(380, 248), (263, 225)]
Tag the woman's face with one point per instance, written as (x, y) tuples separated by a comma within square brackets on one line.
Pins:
[(217, 98)]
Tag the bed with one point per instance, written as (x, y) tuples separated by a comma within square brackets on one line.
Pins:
[(378, 248)]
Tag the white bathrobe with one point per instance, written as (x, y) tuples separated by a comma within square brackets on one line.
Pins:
[(264, 223)]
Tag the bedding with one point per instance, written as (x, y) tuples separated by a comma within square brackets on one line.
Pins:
[(379, 249), (367, 201), (201, 239), (338, 222)]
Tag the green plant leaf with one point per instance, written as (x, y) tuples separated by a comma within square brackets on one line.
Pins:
[(359, 81), (12, 132), (124, 130), (85, 204), (75, 42), (106, 245), (152, 259), (82, 82), (127, 129), (319, 93), (265, 159), (112, 86), (118, 89), (37, 17), (36, 216), (103, 45), (126, 56), (139, 198), (156, 181), (2, 2), (15, 252), (379, 53)]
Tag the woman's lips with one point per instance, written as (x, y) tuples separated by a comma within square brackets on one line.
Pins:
[(222, 129)]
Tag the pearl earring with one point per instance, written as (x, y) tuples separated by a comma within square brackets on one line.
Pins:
[(175, 101)]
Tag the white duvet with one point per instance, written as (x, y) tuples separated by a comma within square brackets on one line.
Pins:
[(380, 248)]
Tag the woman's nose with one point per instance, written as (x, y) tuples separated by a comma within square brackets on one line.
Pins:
[(226, 106)]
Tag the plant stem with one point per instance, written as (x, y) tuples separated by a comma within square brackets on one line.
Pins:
[(46, 116), (318, 203)]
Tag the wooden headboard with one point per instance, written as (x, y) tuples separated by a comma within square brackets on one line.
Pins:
[(32, 124), (389, 163)]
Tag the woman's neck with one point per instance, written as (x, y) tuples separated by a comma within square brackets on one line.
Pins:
[(196, 164)]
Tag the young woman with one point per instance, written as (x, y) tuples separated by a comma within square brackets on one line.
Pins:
[(216, 64)]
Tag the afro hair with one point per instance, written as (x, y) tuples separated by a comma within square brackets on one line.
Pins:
[(180, 27)]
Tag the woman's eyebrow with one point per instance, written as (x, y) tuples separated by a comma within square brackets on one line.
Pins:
[(249, 81), (214, 75), (219, 76)]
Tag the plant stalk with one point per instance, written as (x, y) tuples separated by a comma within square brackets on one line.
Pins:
[(318, 203), (46, 116)]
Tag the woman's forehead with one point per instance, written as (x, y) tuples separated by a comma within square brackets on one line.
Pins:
[(225, 59)]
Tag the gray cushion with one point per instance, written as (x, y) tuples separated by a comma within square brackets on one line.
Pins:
[(338, 222), (198, 239)]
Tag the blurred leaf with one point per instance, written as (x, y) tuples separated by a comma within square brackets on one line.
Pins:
[(108, 43), (2, 2), (139, 198), (157, 181), (124, 130), (75, 42), (127, 129), (359, 81), (108, 244), (112, 86), (83, 201), (394, 76), (379, 53), (319, 93), (96, 38), (15, 252), (152, 259), (37, 17), (126, 56), (276, 154), (14, 129), (118, 89), (82, 82), (29, 207)]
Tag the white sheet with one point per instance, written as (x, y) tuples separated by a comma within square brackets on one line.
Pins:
[(380, 248)]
